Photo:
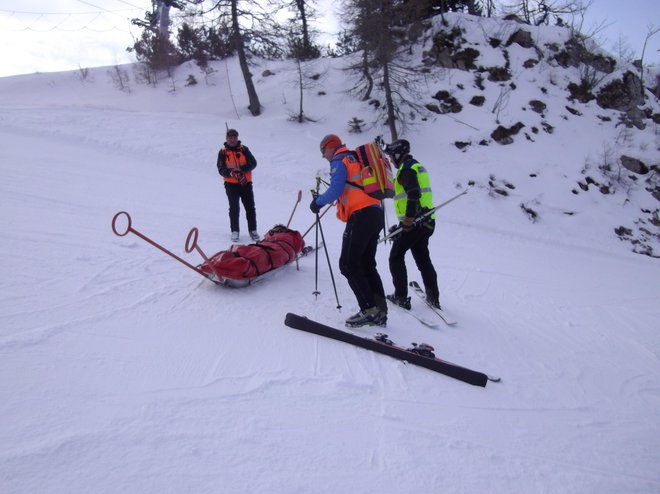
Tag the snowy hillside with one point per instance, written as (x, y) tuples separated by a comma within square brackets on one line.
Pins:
[(124, 371)]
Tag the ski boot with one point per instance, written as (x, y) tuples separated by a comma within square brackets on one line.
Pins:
[(403, 302), (373, 316)]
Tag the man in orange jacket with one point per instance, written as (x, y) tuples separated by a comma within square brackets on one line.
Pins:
[(235, 165), (364, 221)]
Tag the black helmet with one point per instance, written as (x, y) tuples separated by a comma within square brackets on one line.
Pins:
[(398, 150)]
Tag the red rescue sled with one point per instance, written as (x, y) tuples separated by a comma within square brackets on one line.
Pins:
[(240, 265)]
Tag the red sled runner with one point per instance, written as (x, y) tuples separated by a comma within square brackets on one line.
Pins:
[(240, 265)]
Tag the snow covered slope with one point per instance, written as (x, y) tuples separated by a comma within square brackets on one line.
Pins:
[(123, 371)]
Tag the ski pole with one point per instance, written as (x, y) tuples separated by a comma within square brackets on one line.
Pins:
[(327, 256), (316, 248), (421, 218), (294, 208), (320, 216), (385, 227), (129, 229), (316, 260)]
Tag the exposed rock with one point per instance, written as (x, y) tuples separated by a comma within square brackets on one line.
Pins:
[(521, 37), (547, 127), (580, 92), (498, 74), (445, 51), (656, 89), (633, 118), (621, 94), (656, 193), (479, 81), (537, 106), (464, 59), (634, 165), (503, 135), (530, 63), (622, 231), (552, 47), (574, 54), (531, 214), (448, 104), (514, 17), (573, 111)]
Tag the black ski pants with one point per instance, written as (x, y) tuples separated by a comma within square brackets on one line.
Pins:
[(244, 193), (417, 242), (357, 261)]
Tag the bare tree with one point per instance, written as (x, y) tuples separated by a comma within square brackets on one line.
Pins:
[(489, 6), (302, 45), (306, 79), (252, 30), (538, 12), (382, 27), (651, 31), (255, 105)]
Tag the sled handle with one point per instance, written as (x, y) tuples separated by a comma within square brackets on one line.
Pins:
[(130, 229), (294, 208), (191, 240), (191, 244)]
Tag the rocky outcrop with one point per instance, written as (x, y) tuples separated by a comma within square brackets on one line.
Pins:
[(574, 54), (503, 135)]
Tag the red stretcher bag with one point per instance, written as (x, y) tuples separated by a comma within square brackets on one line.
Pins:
[(279, 246)]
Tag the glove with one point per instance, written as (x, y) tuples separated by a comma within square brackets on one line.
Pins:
[(240, 176), (408, 223), (315, 208)]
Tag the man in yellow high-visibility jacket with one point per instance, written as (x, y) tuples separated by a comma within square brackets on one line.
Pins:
[(413, 197)]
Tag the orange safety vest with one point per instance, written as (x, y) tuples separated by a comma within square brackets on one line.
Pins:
[(352, 198), (234, 158)]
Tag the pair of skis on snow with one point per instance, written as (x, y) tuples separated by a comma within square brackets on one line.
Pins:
[(417, 290), (418, 354), (421, 354)]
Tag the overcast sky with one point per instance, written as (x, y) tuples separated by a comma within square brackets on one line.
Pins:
[(53, 35)]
